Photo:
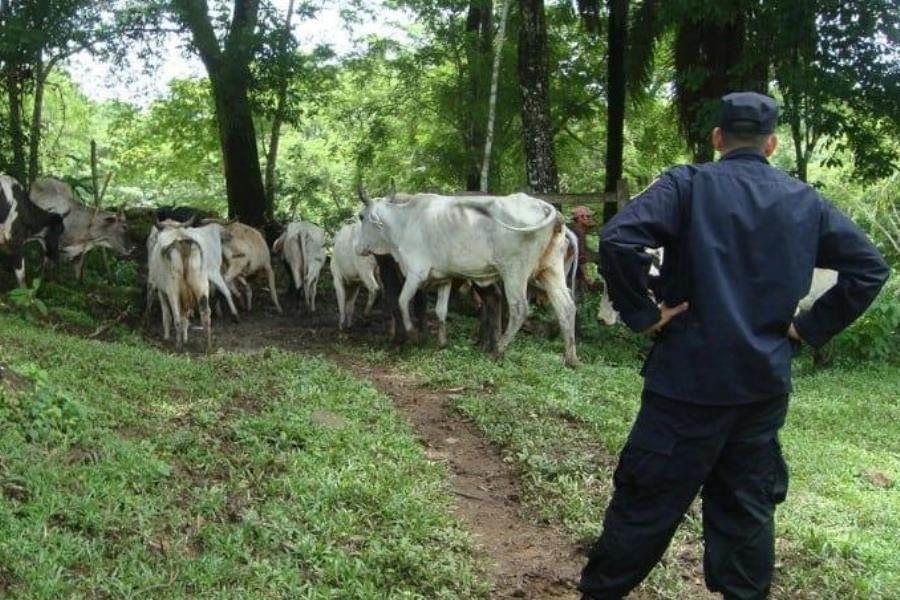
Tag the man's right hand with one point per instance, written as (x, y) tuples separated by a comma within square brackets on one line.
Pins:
[(666, 314)]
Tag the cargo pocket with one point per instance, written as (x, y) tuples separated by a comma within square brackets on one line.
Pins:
[(780, 480), (646, 458)]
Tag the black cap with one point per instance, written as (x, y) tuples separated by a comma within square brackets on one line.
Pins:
[(748, 112)]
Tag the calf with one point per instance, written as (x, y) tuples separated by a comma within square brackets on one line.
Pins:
[(176, 272), (245, 252), (350, 271), (303, 247), (21, 220), (83, 228)]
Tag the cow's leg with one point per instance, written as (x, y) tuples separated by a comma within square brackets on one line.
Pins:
[(351, 304), (270, 274), (149, 308), (248, 292), (554, 284), (410, 287), (17, 260), (368, 280), (215, 278), (440, 309), (79, 267), (206, 319), (166, 315), (516, 288), (341, 294), (311, 287)]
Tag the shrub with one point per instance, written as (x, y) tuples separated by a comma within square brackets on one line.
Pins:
[(42, 413), (875, 336)]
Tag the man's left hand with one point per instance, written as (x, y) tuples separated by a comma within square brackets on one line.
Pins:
[(666, 314)]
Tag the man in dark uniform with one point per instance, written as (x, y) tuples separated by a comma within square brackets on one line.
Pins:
[(741, 239)]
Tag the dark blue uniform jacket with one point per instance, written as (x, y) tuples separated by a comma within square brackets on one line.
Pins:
[(741, 239)]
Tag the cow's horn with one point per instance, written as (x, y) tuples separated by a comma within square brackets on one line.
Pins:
[(393, 191), (190, 222)]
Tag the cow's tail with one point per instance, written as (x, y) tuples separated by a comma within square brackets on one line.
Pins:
[(190, 254), (573, 240)]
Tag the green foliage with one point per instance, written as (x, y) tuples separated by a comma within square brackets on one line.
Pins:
[(875, 336), (44, 414), (26, 301)]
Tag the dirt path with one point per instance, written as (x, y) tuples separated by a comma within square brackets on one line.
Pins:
[(523, 559)]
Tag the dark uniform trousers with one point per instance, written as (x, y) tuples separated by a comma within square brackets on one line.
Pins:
[(674, 449)]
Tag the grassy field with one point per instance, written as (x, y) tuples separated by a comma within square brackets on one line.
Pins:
[(839, 530), (130, 472)]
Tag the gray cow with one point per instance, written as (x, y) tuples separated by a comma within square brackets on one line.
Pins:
[(83, 228)]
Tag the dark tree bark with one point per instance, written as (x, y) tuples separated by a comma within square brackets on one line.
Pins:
[(229, 73), (18, 167), (479, 38), (615, 112), (537, 127), (711, 60), (277, 120), (13, 77)]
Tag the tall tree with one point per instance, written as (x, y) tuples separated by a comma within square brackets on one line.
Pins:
[(616, 33), (835, 67), (35, 37), (479, 36), (278, 117), (228, 67), (492, 105), (537, 127)]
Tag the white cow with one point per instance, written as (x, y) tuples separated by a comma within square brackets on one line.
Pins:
[(350, 271), (177, 273), (512, 239), (303, 247), (209, 237), (822, 281), (245, 252)]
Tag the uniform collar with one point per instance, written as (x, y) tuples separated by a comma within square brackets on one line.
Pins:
[(745, 154)]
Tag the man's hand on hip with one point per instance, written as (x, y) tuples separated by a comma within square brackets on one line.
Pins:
[(666, 314)]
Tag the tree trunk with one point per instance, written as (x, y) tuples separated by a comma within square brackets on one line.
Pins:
[(34, 139), (615, 112), (492, 107), (277, 120), (16, 133), (229, 74), (537, 129), (478, 44), (247, 200)]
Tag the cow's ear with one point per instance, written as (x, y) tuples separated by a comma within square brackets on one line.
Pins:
[(159, 225), (190, 222)]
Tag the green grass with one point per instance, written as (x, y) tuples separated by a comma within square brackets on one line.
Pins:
[(839, 532), (129, 472)]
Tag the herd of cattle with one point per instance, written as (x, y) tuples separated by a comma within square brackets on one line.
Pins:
[(495, 247)]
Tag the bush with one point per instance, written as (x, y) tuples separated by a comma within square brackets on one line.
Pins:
[(875, 336), (42, 413)]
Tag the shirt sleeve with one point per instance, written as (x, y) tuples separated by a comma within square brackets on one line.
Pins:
[(862, 272), (651, 220)]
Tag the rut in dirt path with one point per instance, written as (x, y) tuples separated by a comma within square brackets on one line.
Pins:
[(523, 559)]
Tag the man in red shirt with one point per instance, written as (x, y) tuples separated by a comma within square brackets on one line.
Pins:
[(582, 224)]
